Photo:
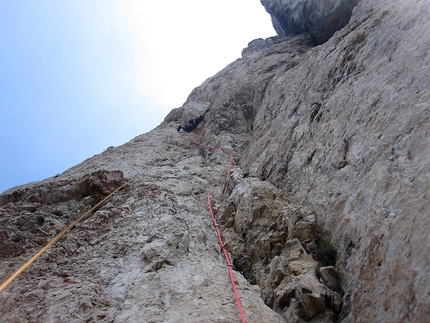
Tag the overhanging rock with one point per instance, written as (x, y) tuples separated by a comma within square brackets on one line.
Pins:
[(320, 18)]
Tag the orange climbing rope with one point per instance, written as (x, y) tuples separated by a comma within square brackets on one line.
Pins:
[(229, 264), (64, 231)]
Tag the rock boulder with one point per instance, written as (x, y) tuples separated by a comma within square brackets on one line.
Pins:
[(320, 18)]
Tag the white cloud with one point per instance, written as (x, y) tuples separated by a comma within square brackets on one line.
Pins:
[(181, 43)]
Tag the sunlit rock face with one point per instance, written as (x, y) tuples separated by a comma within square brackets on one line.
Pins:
[(320, 18), (325, 215)]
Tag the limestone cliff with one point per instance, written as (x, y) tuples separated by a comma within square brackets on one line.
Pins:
[(325, 215)]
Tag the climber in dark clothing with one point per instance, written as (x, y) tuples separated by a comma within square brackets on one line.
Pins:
[(193, 123)]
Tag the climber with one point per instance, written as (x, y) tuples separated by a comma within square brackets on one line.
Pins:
[(193, 123)]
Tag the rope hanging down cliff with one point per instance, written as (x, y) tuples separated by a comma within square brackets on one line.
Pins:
[(68, 228), (229, 264)]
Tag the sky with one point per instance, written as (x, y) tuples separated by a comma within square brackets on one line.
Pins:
[(78, 76)]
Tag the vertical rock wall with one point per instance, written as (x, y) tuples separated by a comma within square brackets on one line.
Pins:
[(325, 216), (349, 139)]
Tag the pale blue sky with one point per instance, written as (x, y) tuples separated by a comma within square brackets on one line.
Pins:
[(78, 76)]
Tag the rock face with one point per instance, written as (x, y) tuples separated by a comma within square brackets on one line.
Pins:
[(325, 215), (321, 18)]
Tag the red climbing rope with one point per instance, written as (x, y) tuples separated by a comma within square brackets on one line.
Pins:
[(215, 147), (229, 264)]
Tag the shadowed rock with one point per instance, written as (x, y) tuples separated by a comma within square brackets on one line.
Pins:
[(320, 18)]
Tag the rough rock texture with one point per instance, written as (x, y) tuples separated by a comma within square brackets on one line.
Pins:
[(325, 215), (355, 149), (150, 254), (321, 18), (265, 233)]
